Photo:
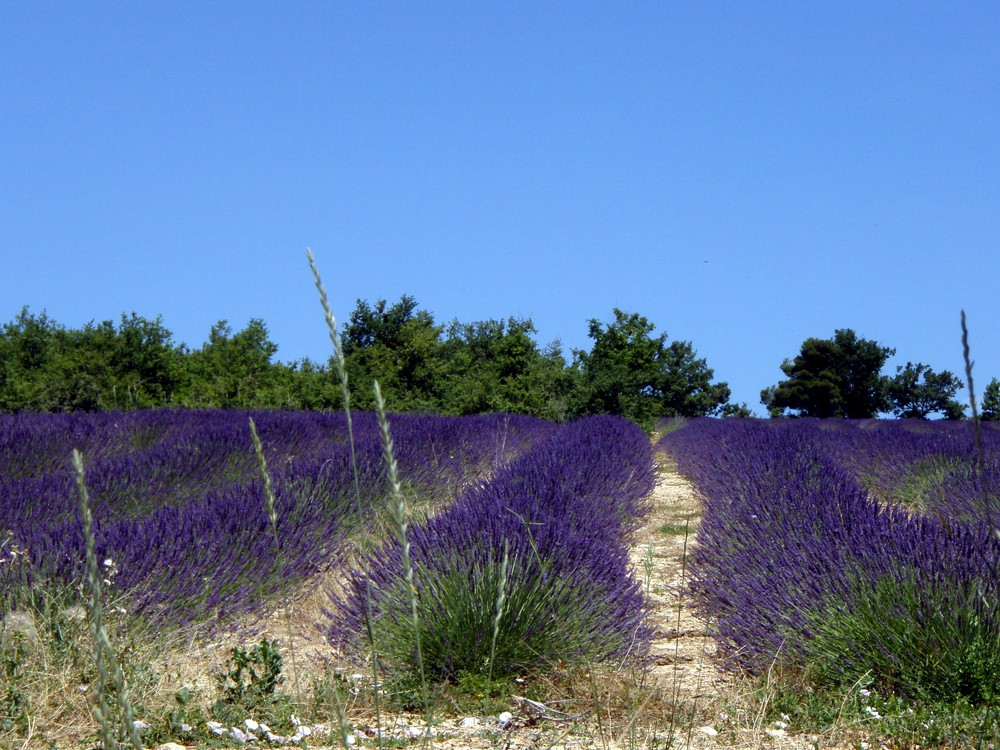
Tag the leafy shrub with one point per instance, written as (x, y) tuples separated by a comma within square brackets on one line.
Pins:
[(252, 676)]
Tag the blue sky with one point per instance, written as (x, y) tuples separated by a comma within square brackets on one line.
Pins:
[(745, 175)]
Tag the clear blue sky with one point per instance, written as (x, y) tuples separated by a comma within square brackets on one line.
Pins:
[(745, 175)]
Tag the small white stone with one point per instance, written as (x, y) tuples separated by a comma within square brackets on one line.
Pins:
[(251, 725), (708, 731), (469, 722), (140, 724), (775, 733), (505, 717), (238, 734), (170, 746)]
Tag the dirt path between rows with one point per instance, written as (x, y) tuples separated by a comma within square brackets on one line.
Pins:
[(691, 703)]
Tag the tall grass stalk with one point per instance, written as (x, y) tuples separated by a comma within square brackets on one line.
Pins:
[(397, 506), (272, 514), (989, 718), (345, 393), (966, 355), (501, 599), (345, 739), (597, 707), (108, 669)]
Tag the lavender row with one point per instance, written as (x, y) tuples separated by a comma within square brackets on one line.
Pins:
[(179, 506), (562, 515), (792, 541)]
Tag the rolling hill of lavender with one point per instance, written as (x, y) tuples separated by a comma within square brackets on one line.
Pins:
[(183, 528), (179, 506)]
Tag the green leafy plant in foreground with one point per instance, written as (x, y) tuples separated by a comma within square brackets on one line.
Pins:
[(251, 678), (15, 708)]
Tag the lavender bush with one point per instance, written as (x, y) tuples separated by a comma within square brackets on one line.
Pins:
[(551, 528), (806, 561)]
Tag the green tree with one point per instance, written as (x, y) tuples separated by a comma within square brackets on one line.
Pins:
[(630, 372), (233, 370), (496, 366), (29, 346), (402, 348), (303, 385), (147, 368), (838, 377), (991, 401), (917, 391)]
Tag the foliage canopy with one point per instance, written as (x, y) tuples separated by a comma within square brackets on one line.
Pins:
[(420, 364), (842, 377)]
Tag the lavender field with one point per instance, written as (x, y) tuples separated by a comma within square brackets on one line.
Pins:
[(517, 536), (850, 552), (179, 509)]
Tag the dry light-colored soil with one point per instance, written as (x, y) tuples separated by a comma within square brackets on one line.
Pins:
[(682, 700)]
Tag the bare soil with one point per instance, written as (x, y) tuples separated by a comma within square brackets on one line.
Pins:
[(682, 700)]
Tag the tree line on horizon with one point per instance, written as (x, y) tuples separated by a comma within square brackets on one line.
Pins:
[(455, 368)]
